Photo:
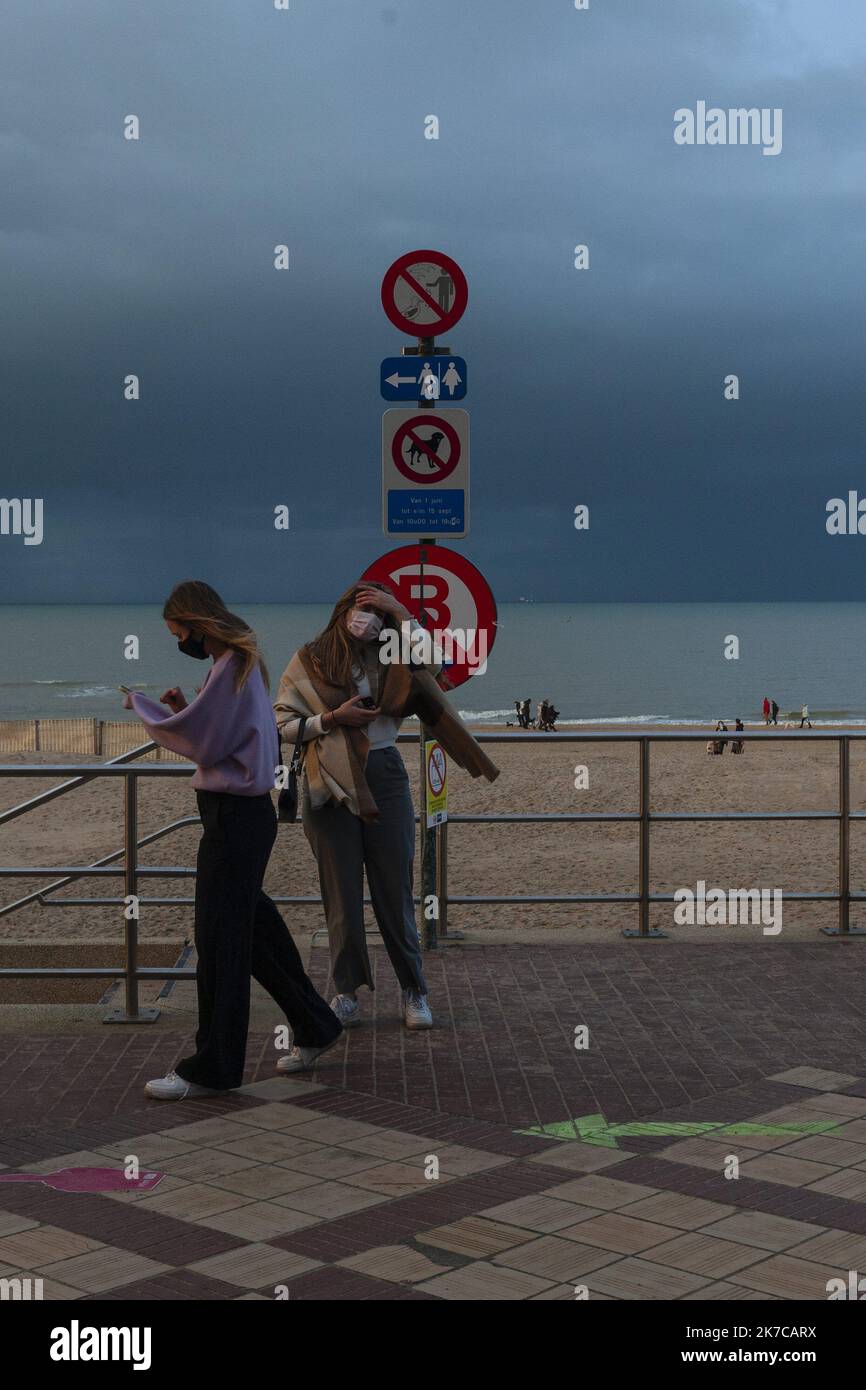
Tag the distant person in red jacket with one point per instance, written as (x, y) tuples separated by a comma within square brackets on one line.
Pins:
[(766, 710)]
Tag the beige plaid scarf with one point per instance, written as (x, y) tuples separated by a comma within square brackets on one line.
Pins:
[(334, 764)]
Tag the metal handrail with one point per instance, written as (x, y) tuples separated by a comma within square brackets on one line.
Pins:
[(131, 871)]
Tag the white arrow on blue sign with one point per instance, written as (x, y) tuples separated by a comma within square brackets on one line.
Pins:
[(433, 378)]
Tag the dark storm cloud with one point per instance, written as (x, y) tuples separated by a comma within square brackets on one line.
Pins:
[(260, 388)]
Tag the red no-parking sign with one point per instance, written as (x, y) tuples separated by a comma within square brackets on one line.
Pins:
[(424, 293), (457, 600)]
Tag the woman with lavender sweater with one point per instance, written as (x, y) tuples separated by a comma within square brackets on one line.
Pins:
[(230, 731)]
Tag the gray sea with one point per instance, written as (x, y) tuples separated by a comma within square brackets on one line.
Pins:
[(606, 663)]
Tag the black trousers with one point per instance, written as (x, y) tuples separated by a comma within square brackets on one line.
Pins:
[(239, 933)]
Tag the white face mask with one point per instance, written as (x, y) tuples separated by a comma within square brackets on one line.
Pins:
[(365, 626)]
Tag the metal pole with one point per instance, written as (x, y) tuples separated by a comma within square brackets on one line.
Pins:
[(844, 928), (644, 930), (429, 876), (132, 1013), (442, 876)]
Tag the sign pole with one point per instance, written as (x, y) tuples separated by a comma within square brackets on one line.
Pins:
[(428, 838)]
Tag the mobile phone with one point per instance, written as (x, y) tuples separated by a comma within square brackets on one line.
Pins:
[(367, 703), (125, 690)]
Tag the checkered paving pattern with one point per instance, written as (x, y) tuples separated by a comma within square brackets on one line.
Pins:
[(352, 1184)]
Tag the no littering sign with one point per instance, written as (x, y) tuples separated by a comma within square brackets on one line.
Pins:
[(424, 293)]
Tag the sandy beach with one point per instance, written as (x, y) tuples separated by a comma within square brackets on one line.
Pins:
[(501, 859)]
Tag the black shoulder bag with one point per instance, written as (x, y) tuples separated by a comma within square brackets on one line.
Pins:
[(287, 801)]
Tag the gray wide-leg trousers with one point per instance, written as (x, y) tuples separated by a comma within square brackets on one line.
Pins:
[(344, 847)]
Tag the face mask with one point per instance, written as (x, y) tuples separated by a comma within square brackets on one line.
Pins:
[(193, 646), (365, 626)]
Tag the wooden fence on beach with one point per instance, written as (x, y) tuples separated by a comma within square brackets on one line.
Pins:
[(101, 738)]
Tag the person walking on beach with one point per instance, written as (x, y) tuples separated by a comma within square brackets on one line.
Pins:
[(766, 710), (774, 712), (229, 730), (357, 807), (737, 744), (804, 717), (527, 716)]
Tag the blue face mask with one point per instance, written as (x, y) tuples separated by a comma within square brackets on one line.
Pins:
[(194, 647)]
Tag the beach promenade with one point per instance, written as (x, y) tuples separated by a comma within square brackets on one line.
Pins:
[(488, 1159)]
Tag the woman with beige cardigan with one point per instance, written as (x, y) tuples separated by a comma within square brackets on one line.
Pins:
[(357, 807)]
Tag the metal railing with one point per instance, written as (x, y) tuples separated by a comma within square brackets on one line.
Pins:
[(131, 871)]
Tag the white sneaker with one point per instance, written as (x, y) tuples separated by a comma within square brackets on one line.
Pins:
[(416, 1010), (347, 1009), (173, 1087), (302, 1058)]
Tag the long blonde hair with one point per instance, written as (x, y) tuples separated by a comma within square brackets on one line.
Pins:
[(195, 604), (335, 651)]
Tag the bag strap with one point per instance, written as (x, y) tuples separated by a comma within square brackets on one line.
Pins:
[(297, 754)]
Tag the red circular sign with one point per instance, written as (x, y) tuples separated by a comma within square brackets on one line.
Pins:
[(458, 603), (424, 293), (425, 451)]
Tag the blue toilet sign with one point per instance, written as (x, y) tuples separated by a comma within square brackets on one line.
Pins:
[(435, 378)]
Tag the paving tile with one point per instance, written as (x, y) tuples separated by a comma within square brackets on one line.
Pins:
[(596, 1190), (274, 1146), (580, 1158), (641, 1279), (614, 1231), (201, 1165), (788, 1277), (11, 1223), (55, 1292), (281, 1088), (170, 1183), (534, 1213), (844, 1107), (396, 1179), (259, 1221), (331, 1129), (848, 1182), (839, 1248), (674, 1209), (815, 1078), (483, 1282), (726, 1293), (276, 1115), (83, 1158), (209, 1133), (832, 1150), (702, 1153), (553, 1258), (399, 1264), (149, 1149), (394, 1143), (703, 1254), (44, 1245), (763, 1230), (98, 1270), (333, 1162), (265, 1181), (791, 1172), (851, 1129), (329, 1199), (254, 1266), (476, 1236), (459, 1161), (193, 1202)]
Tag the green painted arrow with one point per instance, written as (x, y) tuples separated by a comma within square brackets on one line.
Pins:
[(594, 1129)]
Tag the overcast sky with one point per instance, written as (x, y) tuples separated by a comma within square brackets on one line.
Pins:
[(260, 387)]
